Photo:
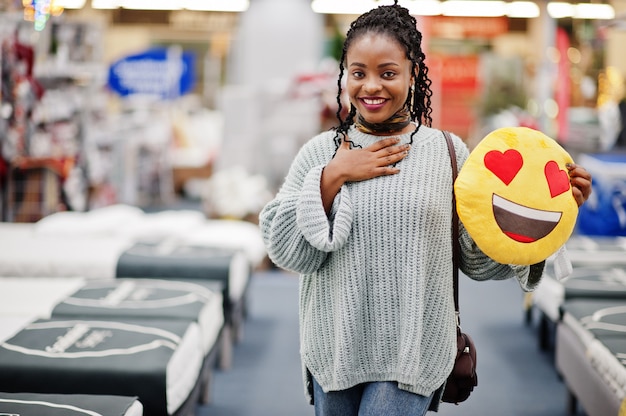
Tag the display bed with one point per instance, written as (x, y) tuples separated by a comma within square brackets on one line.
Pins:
[(15, 404), (599, 270), (227, 266), (114, 257), (88, 244), (199, 303), (590, 354), (157, 361), (586, 281)]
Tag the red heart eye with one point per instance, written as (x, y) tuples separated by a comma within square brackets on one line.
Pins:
[(504, 165), (558, 180)]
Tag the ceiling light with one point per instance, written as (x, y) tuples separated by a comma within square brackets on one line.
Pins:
[(343, 6), (204, 5), (594, 11), (523, 9), (472, 8), (217, 5), (558, 10), (70, 4)]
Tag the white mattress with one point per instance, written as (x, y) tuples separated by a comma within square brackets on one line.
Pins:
[(548, 296), (231, 234), (48, 256), (124, 221), (609, 366), (88, 244), (182, 370), (35, 297)]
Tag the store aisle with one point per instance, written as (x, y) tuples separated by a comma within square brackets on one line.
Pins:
[(515, 377)]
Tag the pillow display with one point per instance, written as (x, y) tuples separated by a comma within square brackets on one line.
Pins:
[(514, 196)]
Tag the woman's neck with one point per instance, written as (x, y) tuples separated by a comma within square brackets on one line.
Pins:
[(396, 124)]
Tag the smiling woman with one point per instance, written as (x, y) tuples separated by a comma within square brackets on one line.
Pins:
[(365, 217)]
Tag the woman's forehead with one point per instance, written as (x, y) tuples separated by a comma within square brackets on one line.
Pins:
[(375, 45)]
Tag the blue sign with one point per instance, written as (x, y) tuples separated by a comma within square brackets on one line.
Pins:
[(167, 73)]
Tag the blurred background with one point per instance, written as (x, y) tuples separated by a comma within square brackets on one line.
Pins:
[(201, 105), (141, 102)]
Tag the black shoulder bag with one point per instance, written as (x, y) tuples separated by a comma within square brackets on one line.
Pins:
[(463, 379)]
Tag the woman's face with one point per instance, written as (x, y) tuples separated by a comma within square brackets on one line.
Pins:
[(378, 76)]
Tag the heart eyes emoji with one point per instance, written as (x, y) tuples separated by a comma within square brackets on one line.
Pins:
[(506, 165)]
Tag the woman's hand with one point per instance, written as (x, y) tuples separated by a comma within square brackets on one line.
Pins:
[(581, 182), (375, 160), (351, 165)]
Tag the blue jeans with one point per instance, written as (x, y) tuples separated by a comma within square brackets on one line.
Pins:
[(369, 399)]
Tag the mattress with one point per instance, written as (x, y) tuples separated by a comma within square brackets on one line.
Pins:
[(149, 298), (595, 331), (89, 244), (586, 281), (122, 221), (172, 260), (35, 297), (14, 404), (601, 250), (159, 361), (55, 256), (229, 234)]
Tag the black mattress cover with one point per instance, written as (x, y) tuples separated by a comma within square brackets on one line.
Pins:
[(146, 298), (146, 260), (31, 404), (122, 357), (603, 281)]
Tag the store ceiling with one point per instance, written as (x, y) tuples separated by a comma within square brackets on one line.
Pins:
[(514, 8)]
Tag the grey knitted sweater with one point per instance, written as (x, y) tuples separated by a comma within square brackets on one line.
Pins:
[(376, 297)]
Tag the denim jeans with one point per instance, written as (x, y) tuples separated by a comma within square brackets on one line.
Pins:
[(369, 399)]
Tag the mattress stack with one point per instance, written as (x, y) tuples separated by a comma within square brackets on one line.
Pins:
[(154, 340), (583, 318), (120, 310)]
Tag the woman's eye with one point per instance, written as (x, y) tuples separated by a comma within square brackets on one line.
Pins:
[(357, 74), (388, 74)]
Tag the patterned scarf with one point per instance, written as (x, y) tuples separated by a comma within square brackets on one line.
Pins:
[(395, 123)]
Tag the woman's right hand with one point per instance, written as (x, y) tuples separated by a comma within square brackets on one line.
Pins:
[(352, 165), (378, 159)]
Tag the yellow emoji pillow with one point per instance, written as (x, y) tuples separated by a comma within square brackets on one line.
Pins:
[(514, 196)]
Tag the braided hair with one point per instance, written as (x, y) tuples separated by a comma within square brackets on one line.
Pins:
[(396, 22)]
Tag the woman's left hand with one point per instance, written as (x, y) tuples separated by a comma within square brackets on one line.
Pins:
[(581, 182)]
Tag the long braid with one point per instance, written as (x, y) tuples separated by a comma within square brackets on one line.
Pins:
[(394, 21)]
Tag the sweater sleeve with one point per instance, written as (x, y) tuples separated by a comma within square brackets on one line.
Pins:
[(324, 233), (297, 233), (478, 266)]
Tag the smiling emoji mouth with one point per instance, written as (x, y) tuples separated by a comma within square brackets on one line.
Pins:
[(522, 223)]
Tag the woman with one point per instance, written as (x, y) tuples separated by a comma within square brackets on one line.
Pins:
[(364, 216)]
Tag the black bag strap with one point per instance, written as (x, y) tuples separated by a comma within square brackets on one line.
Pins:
[(456, 249)]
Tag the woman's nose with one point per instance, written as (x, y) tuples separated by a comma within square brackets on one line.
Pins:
[(371, 85)]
